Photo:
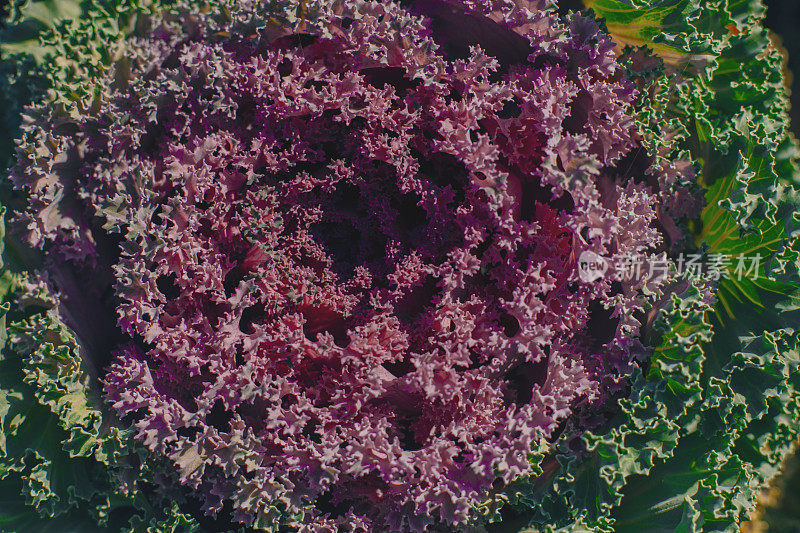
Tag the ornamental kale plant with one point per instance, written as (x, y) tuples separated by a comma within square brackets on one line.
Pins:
[(316, 266)]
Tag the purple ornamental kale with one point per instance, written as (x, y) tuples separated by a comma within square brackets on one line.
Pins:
[(343, 254)]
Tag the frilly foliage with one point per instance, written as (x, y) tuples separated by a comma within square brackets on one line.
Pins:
[(63, 469), (714, 413), (65, 464), (707, 419), (209, 383)]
